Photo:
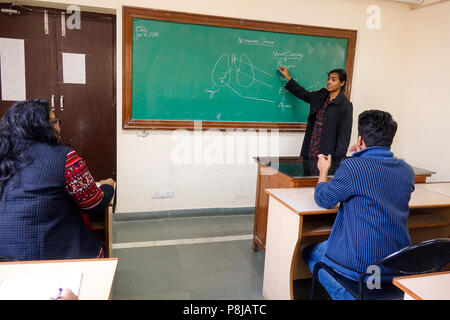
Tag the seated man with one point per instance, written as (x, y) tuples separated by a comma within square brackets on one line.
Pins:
[(374, 190)]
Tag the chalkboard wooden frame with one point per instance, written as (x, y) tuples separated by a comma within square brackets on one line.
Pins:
[(129, 13)]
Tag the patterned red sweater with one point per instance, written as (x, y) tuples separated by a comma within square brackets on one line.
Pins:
[(79, 182)]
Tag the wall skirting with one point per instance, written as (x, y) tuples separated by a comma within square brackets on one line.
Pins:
[(132, 216)]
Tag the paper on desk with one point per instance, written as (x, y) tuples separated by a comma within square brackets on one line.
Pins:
[(12, 66), (39, 287)]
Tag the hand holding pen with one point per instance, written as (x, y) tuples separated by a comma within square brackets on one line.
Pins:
[(65, 294)]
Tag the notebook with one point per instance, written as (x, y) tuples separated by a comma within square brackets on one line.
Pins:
[(39, 287)]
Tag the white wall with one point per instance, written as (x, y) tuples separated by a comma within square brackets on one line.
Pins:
[(425, 113), (384, 78)]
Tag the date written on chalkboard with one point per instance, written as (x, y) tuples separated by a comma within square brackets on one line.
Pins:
[(142, 32)]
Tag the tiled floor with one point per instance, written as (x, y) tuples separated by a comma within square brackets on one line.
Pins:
[(208, 260)]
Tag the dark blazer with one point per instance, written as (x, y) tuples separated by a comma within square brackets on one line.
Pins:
[(338, 118)]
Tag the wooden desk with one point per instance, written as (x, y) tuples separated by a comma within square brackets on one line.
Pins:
[(289, 172), (96, 281), (431, 286), (294, 221), (439, 187)]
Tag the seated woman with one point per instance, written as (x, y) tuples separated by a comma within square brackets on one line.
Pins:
[(43, 185)]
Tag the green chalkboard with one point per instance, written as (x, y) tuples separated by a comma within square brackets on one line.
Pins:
[(223, 76)]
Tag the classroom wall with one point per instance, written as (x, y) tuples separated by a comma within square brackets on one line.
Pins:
[(426, 107), (389, 64)]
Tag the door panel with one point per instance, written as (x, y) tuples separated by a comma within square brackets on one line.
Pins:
[(89, 113), (40, 52)]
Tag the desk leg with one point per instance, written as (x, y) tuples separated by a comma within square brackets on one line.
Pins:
[(282, 237), (255, 247), (108, 231)]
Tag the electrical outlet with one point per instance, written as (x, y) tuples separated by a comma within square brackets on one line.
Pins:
[(162, 194)]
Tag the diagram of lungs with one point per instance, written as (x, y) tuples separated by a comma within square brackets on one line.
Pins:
[(233, 73), (221, 73)]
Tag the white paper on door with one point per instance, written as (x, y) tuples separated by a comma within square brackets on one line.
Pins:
[(12, 66), (74, 68)]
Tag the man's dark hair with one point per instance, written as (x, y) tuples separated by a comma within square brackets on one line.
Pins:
[(377, 128), (342, 74)]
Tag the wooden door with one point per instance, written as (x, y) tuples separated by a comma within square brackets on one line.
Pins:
[(87, 111), (40, 52)]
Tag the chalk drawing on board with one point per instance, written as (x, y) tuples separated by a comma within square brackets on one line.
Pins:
[(314, 87), (282, 92), (256, 42), (235, 74), (228, 68), (287, 59), (285, 56)]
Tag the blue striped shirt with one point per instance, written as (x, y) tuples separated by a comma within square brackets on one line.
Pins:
[(374, 190)]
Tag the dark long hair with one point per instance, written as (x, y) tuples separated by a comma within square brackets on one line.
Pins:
[(24, 123)]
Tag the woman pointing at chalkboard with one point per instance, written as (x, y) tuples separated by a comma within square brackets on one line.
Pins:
[(330, 117)]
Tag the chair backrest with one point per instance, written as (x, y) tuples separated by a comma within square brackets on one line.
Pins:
[(424, 257)]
